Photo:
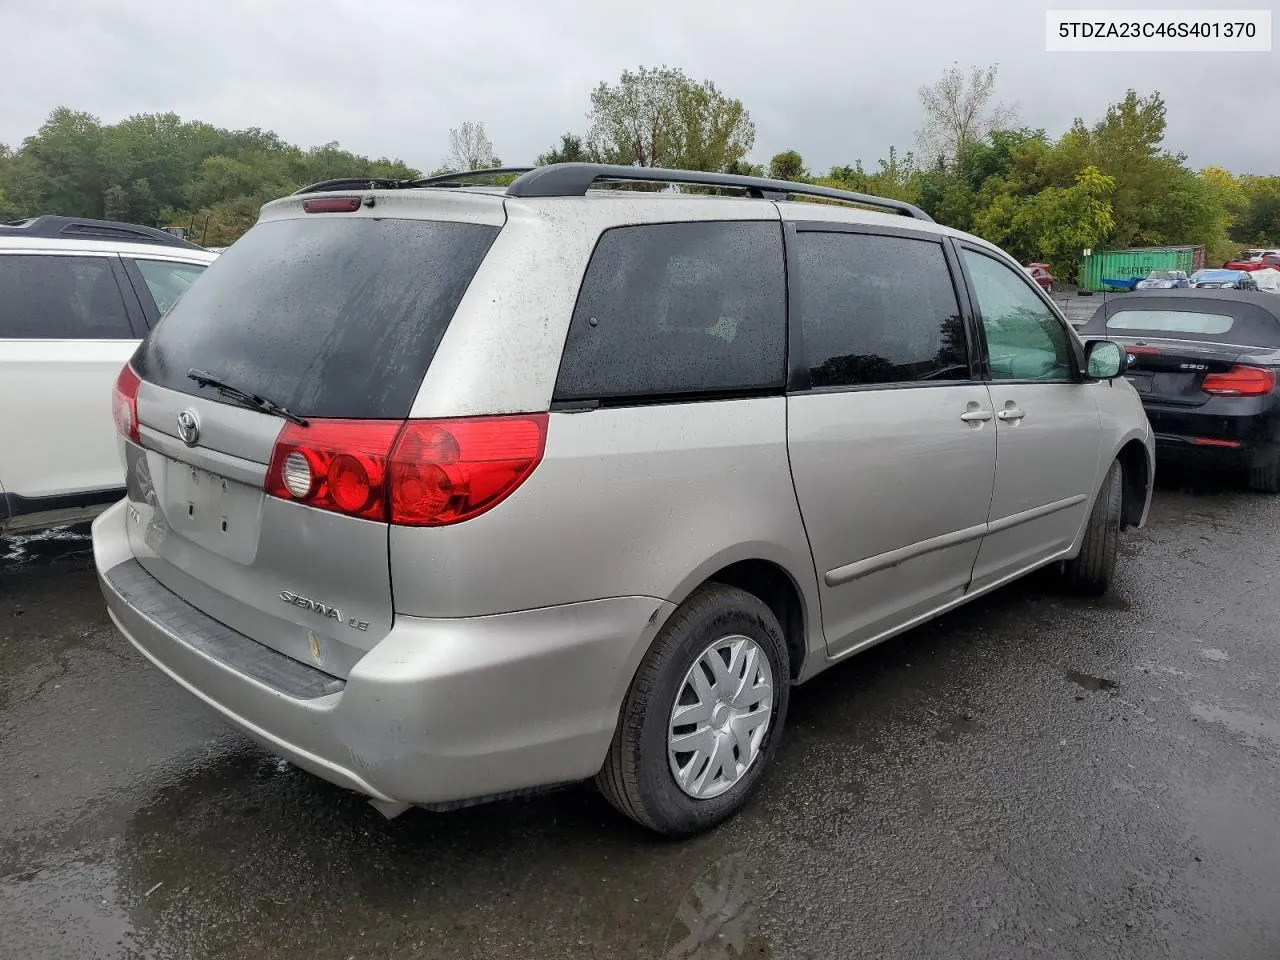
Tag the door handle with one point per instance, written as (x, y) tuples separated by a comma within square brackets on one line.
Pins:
[(975, 416), (1011, 413)]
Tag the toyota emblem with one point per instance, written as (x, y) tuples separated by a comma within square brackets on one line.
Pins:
[(189, 427)]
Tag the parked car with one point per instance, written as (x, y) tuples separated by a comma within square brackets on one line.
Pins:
[(1040, 273), (1255, 260), (1223, 279), (544, 485), (1205, 364), (1164, 280), (77, 297)]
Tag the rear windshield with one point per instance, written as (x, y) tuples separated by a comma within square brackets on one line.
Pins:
[(1171, 321), (331, 317)]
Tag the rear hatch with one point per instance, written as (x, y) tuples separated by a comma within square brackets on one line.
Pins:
[(335, 317), (1173, 372)]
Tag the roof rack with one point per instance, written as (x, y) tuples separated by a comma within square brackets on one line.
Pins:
[(82, 228), (575, 179)]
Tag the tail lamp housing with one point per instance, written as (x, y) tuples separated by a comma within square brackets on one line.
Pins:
[(124, 403), (416, 473), (1240, 381)]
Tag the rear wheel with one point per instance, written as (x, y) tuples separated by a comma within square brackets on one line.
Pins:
[(1090, 573), (703, 715)]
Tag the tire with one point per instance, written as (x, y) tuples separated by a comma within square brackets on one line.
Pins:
[(638, 777), (1090, 573), (1265, 478)]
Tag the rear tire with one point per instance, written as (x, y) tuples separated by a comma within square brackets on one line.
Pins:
[(1090, 574), (638, 777), (1265, 478)]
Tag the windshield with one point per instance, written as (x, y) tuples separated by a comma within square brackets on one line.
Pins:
[(1160, 275), (330, 317), (1215, 276)]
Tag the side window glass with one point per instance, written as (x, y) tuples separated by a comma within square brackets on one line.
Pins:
[(676, 310), (168, 280), (1025, 341), (60, 298), (878, 309)]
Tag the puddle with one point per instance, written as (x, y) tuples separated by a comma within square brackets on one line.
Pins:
[(1090, 682), (717, 920), (45, 546), (1239, 722)]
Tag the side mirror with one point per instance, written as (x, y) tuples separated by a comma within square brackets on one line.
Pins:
[(1104, 360)]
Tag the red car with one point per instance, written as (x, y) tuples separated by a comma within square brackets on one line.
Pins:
[(1041, 274), (1244, 262)]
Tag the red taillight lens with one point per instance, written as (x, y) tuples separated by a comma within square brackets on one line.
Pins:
[(417, 473), (337, 465), (332, 205), (1240, 382), (446, 471), (124, 404)]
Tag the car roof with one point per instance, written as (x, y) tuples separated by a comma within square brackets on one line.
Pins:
[(1175, 299), (152, 251), (84, 228)]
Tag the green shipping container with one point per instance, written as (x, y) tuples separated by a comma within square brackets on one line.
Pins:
[(1136, 262)]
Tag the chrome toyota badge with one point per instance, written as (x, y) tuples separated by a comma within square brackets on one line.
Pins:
[(189, 427)]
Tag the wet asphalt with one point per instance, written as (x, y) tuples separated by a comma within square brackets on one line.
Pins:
[(1031, 776)]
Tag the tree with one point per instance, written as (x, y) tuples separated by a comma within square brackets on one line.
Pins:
[(959, 112), (570, 150), (661, 118), (470, 149), (788, 165)]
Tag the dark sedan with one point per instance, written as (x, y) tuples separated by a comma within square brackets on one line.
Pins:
[(1205, 364)]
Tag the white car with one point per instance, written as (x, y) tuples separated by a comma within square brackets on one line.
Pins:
[(76, 296)]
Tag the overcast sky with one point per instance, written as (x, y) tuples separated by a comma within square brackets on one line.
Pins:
[(837, 81)]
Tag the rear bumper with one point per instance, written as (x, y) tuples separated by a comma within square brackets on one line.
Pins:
[(1224, 432), (438, 711)]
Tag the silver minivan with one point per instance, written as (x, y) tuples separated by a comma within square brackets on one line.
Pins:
[(446, 492)]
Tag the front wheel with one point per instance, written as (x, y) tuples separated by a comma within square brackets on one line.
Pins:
[(1091, 572), (703, 715)]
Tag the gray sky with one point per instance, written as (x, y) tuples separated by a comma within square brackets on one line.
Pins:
[(836, 81)]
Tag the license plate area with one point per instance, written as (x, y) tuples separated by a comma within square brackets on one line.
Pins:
[(1141, 381), (221, 515)]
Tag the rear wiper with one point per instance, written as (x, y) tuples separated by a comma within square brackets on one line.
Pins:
[(249, 399)]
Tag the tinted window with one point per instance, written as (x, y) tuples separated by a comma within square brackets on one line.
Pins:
[(332, 317), (878, 309), (1171, 321), (60, 298), (1025, 341), (676, 309), (168, 280)]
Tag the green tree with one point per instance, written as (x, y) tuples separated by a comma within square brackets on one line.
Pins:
[(788, 165), (570, 150), (661, 118)]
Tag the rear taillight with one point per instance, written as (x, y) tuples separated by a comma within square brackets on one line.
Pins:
[(417, 473), (338, 465), (124, 404), (1240, 381)]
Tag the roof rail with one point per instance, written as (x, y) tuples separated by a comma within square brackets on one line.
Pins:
[(83, 228), (575, 179)]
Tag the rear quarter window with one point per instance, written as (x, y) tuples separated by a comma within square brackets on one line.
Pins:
[(678, 310), (331, 317)]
